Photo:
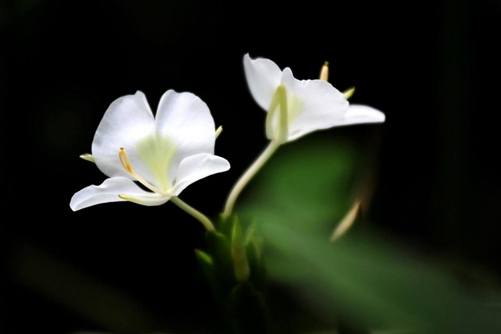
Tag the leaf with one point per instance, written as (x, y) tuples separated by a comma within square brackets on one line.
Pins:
[(362, 279), (220, 249), (206, 265)]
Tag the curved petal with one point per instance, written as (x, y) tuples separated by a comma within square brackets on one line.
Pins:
[(149, 199), (313, 105), (109, 191), (184, 127), (197, 167), (127, 121), (358, 113), (263, 78)]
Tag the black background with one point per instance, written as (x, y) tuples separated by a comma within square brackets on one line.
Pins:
[(431, 66)]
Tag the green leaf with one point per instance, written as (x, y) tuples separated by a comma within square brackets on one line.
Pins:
[(220, 249), (206, 265), (362, 279), (311, 180), (368, 281), (257, 265), (238, 252)]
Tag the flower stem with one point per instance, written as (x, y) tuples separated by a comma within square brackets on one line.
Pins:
[(195, 213), (247, 176)]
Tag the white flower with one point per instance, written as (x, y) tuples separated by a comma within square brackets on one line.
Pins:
[(298, 107), (295, 108), (165, 153)]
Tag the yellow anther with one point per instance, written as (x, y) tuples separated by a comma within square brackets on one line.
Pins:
[(324, 72), (87, 157), (219, 130), (124, 159), (349, 92)]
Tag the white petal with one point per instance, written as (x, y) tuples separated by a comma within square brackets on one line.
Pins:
[(109, 191), (150, 199), (313, 105), (263, 78), (197, 167), (184, 121), (127, 121), (357, 114)]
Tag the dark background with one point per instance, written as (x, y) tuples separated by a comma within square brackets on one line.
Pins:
[(431, 66)]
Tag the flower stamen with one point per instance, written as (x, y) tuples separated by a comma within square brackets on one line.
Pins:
[(324, 72), (88, 157), (219, 130), (324, 75), (125, 160), (349, 92)]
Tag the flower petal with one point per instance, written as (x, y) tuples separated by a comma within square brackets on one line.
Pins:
[(184, 123), (358, 113), (263, 78), (127, 121), (197, 167), (149, 199), (109, 191), (313, 105)]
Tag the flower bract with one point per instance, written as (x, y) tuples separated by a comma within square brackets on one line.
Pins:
[(148, 158), (298, 107)]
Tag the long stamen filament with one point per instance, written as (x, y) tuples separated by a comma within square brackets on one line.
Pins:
[(206, 222), (124, 159)]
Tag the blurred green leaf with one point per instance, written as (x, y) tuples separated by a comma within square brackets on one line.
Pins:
[(310, 180), (238, 253), (220, 250), (362, 279), (206, 265), (254, 245)]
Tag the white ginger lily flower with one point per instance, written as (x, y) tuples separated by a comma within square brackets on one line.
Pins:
[(165, 153), (298, 107), (295, 108)]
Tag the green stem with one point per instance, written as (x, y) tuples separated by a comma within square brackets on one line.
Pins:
[(278, 136), (247, 176), (195, 213)]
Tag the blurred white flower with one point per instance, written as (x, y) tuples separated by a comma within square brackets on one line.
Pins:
[(298, 107), (165, 153), (295, 108)]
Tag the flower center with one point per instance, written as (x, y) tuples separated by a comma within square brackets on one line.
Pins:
[(125, 160), (156, 153)]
